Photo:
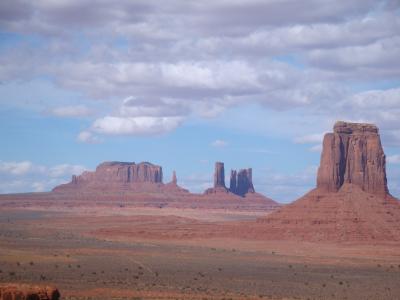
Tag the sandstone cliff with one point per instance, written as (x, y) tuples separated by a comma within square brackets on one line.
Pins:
[(219, 180), (241, 182), (353, 154), (351, 201), (113, 175)]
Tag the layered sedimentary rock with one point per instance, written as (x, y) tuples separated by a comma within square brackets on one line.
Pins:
[(110, 175), (351, 201), (241, 182), (28, 292), (353, 154)]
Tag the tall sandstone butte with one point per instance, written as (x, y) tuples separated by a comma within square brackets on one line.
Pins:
[(241, 182), (353, 154), (219, 175), (351, 201)]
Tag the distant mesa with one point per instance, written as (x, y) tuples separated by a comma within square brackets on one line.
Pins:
[(351, 201), (241, 183), (112, 176)]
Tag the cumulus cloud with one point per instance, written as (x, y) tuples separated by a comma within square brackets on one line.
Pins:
[(135, 125), (26, 176), (16, 168), (88, 137)]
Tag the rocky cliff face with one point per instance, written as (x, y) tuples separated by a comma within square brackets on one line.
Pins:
[(28, 292), (351, 201), (241, 182), (353, 154), (219, 175), (116, 174), (219, 180)]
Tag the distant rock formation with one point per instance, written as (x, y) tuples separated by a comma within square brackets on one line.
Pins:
[(174, 179), (353, 154), (219, 175), (351, 201), (114, 175), (28, 292), (219, 180), (173, 185), (241, 182), (233, 182)]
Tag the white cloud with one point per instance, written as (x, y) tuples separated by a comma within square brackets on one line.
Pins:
[(16, 168), (88, 137), (393, 159), (219, 143), (135, 125), (70, 111), (65, 170), (26, 176), (310, 138), (316, 148)]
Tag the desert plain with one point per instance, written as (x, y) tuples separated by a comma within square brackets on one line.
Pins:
[(113, 251)]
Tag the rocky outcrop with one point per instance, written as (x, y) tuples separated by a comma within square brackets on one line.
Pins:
[(233, 182), (174, 179), (241, 182), (112, 175), (173, 187), (219, 175), (351, 202), (28, 292), (219, 180), (353, 154)]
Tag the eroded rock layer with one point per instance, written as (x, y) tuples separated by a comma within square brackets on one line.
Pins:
[(351, 202), (353, 154)]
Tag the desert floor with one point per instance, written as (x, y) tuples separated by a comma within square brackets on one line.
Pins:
[(167, 253)]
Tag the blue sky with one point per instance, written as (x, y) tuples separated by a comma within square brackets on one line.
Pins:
[(251, 83)]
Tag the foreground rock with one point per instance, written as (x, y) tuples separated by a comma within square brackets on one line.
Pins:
[(11, 291), (353, 154), (351, 201)]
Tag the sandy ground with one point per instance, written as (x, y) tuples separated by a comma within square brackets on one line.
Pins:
[(169, 253)]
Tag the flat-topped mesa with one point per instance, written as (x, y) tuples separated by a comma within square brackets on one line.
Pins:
[(241, 182), (353, 154), (116, 174)]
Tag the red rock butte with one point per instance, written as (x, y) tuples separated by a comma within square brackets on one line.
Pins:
[(122, 176), (351, 201)]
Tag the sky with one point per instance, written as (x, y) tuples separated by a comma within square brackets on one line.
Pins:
[(183, 84)]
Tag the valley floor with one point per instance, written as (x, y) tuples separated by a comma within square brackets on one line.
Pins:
[(169, 253)]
